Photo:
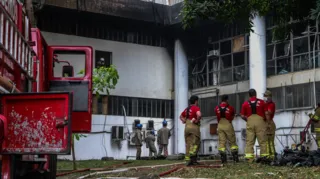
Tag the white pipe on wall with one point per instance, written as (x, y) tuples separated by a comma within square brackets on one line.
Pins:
[(257, 62), (180, 94)]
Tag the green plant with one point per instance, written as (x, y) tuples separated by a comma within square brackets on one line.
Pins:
[(230, 11), (104, 79)]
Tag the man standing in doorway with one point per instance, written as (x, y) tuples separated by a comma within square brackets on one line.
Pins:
[(191, 116), (138, 141), (163, 138), (253, 112), (315, 119), (270, 109), (225, 114)]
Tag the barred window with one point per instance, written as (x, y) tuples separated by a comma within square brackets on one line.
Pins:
[(207, 106), (277, 97), (298, 95), (138, 107)]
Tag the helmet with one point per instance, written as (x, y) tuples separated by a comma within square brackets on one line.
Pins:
[(164, 122), (139, 126), (152, 132)]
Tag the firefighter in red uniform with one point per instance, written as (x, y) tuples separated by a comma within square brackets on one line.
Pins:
[(191, 116), (225, 115), (270, 109), (253, 112)]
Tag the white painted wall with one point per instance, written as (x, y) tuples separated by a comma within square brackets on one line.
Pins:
[(91, 147), (144, 71)]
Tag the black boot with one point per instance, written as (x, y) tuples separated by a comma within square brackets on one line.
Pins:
[(235, 156), (223, 156), (194, 160)]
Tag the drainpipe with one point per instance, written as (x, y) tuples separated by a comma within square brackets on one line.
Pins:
[(257, 62)]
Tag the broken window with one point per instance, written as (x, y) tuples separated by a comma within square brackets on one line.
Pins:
[(238, 59), (238, 44), (301, 62), (270, 52), (283, 65), (271, 67), (300, 29), (283, 49), (300, 45), (226, 62), (225, 47)]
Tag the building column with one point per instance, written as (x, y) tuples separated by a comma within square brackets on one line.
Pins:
[(257, 61), (180, 94)]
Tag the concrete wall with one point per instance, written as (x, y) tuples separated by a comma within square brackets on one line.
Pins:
[(288, 118), (144, 71), (96, 146)]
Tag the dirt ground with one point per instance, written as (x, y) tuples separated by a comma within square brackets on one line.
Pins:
[(229, 171)]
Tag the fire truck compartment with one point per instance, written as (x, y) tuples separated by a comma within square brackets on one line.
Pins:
[(36, 123), (80, 93)]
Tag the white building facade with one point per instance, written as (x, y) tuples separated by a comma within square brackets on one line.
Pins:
[(158, 75)]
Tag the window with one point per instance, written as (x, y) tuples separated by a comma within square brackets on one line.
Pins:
[(277, 97), (69, 63), (138, 107), (103, 58), (298, 95), (207, 106)]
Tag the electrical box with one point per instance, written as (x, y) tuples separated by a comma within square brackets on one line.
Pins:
[(213, 129), (117, 133), (135, 123), (150, 125)]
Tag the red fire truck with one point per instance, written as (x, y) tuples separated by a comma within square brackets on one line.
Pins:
[(43, 97)]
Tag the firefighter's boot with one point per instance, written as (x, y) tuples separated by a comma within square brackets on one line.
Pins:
[(223, 156), (235, 155), (194, 160)]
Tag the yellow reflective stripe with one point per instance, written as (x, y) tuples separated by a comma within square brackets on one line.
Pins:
[(249, 156), (317, 129), (264, 155), (186, 158), (315, 117), (193, 150), (222, 149), (234, 147)]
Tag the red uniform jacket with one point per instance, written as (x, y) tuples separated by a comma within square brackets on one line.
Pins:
[(270, 106), (192, 112), (229, 111), (260, 105)]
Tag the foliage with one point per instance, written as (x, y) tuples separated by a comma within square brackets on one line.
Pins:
[(78, 136), (230, 11), (104, 79)]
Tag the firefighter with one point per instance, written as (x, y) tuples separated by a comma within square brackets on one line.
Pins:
[(315, 118), (163, 138), (138, 141), (253, 112), (150, 144), (270, 109), (191, 116), (225, 114)]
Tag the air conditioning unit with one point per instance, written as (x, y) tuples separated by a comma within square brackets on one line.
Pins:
[(243, 134), (150, 125), (117, 133), (135, 122)]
